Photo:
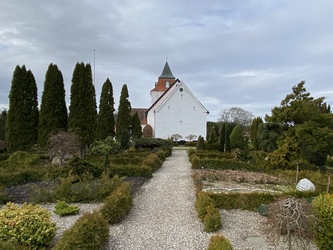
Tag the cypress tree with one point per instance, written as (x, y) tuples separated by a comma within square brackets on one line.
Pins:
[(53, 110), (106, 123), (227, 139), (222, 137), (136, 129), (123, 119), (237, 139), (22, 118), (82, 119), (254, 136), (3, 117)]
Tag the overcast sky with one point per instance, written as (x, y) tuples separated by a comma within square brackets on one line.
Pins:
[(245, 53)]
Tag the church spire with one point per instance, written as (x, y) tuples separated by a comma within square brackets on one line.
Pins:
[(166, 73)]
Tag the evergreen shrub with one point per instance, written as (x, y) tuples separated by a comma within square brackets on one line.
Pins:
[(79, 167), (223, 164), (161, 154), (152, 161), (212, 219), (27, 225), (323, 209), (202, 202), (90, 231), (63, 209), (118, 204), (22, 159), (130, 170), (219, 242), (245, 201)]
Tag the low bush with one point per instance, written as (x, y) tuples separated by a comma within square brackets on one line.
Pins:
[(161, 155), (90, 231), (125, 159), (152, 161), (118, 204), (78, 166), (219, 242), (130, 170), (4, 197), (323, 209), (246, 201), (202, 202), (221, 164), (212, 219), (63, 209), (22, 159), (27, 225), (84, 191), (15, 176)]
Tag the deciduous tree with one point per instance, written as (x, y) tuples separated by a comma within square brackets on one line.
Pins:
[(236, 115)]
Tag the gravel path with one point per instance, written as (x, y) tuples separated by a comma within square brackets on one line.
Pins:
[(163, 215)]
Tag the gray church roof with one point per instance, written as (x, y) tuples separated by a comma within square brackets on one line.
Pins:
[(166, 73)]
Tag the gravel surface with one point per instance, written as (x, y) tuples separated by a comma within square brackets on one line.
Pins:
[(163, 215)]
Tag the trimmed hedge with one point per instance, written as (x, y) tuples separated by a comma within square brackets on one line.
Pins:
[(90, 231), (219, 242), (203, 200), (252, 201), (223, 164), (153, 161), (212, 220), (118, 204), (130, 170), (323, 209), (247, 201)]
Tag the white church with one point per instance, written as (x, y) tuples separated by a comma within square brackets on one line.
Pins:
[(174, 110)]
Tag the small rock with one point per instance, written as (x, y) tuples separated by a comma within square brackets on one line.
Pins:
[(305, 185)]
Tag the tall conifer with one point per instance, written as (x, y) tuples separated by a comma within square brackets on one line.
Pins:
[(53, 110), (222, 137), (22, 118), (82, 119), (136, 129), (124, 118), (105, 121)]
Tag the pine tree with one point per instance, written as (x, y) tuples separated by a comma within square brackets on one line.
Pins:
[(53, 110), (106, 123), (82, 119), (136, 129), (22, 118), (124, 119)]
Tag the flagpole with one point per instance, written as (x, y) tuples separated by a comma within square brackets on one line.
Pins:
[(94, 69)]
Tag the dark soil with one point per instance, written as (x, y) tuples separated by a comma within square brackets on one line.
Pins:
[(23, 193)]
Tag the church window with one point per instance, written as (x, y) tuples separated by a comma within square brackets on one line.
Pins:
[(193, 108), (181, 89), (167, 84)]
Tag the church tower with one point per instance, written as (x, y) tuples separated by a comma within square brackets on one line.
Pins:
[(165, 80)]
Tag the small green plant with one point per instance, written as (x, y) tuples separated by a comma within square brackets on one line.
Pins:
[(212, 219), (203, 200), (27, 225), (63, 209), (12, 246), (118, 204), (219, 242), (90, 231), (323, 209)]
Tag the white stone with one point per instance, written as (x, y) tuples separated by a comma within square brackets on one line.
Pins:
[(305, 185), (56, 161)]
